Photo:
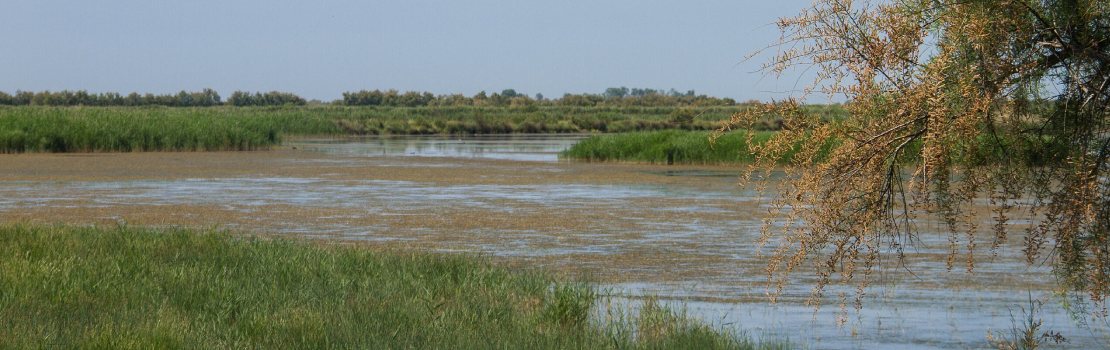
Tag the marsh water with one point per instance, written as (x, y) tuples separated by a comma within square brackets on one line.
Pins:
[(687, 235), (522, 147)]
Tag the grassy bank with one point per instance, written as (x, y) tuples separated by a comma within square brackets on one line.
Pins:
[(138, 288), (666, 147), (111, 129)]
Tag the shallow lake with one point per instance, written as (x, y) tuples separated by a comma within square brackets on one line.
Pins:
[(686, 234)]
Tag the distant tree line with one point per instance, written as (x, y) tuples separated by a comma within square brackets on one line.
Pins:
[(618, 96), (203, 98), (272, 98), (621, 96), (388, 98)]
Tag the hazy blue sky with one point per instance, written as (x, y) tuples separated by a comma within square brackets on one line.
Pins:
[(319, 49)]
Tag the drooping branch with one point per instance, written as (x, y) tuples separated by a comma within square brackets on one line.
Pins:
[(944, 87)]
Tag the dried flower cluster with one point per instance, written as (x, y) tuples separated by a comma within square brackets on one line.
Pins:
[(950, 101)]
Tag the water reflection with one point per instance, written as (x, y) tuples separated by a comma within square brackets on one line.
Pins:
[(521, 147)]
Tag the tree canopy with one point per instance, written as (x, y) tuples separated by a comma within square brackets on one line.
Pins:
[(951, 102)]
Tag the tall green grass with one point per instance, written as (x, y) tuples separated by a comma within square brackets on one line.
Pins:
[(667, 147), (78, 129), (123, 287), (103, 129), (693, 147)]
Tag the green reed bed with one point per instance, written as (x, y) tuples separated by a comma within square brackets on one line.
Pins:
[(693, 147), (666, 147), (126, 287), (114, 129), (77, 129)]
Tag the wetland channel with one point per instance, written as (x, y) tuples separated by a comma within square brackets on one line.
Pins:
[(687, 234)]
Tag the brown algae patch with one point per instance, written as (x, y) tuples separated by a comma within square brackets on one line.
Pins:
[(619, 222)]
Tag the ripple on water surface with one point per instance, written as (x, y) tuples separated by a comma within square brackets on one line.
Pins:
[(520, 147)]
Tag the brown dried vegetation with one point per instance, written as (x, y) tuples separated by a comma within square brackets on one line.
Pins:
[(1004, 101)]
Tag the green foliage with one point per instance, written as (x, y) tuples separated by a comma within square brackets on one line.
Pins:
[(667, 147), (683, 116), (124, 287), (393, 98), (56, 129), (535, 119), (203, 98), (569, 305), (667, 329), (520, 119), (272, 98)]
